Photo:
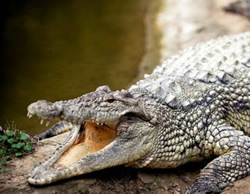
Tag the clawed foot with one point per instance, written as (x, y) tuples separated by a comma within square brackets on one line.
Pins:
[(202, 186)]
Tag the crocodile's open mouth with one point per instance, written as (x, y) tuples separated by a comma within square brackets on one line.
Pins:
[(105, 127), (91, 138)]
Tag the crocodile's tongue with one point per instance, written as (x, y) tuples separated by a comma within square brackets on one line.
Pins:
[(91, 139)]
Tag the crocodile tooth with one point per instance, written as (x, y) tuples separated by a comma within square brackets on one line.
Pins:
[(29, 115), (41, 122), (47, 123)]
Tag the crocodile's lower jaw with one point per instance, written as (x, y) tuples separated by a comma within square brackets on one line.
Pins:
[(92, 138)]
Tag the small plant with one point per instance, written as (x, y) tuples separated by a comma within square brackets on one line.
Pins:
[(13, 143)]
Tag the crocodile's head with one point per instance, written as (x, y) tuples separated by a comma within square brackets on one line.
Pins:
[(109, 129)]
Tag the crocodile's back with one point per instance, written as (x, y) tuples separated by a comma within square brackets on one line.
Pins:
[(186, 76)]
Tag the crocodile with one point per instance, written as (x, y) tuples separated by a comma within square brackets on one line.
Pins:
[(194, 106)]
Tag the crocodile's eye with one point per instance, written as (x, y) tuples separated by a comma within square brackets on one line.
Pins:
[(110, 100)]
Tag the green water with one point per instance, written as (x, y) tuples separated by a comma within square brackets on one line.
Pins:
[(57, 50)]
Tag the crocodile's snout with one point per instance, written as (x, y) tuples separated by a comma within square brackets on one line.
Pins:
[(44, 109)]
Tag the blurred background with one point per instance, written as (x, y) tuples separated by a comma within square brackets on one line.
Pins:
[(57, 50)]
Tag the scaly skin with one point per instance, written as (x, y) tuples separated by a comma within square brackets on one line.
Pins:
[(194, 106), (239, 6)]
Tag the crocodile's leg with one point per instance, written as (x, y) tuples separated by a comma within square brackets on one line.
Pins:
[(233, 164), (58, 128)]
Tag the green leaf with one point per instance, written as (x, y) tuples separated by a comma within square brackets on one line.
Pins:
[(3, 161), (3, 137), (2, 152), (28, 147), (18, 154), (10, 133), (23, 136), (11, 140), (7, 157), (19, 145), (14, 145)]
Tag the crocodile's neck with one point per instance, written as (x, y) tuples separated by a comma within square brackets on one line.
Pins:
[(184, 133)]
